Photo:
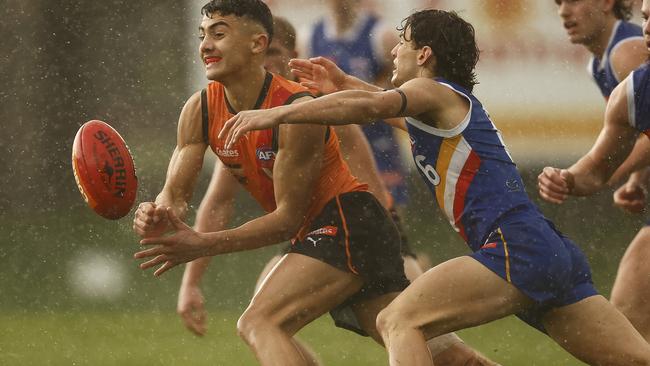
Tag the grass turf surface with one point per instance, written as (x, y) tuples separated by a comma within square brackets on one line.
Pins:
[(135, 338)]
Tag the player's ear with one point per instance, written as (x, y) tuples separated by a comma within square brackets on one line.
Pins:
[(260, 43), (426, 56)]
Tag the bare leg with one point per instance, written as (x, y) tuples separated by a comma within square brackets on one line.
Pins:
[(453, 295), (631, 291), (298, 290), (447, 349), (596, 333), (307, 353)]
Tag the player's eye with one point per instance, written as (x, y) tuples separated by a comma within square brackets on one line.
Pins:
[(201, 37)]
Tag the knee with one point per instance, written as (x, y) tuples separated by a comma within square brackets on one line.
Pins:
[(250, 325), (389, 320)]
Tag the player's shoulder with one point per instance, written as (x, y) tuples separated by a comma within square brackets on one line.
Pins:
[(285, 91), (627, 56)]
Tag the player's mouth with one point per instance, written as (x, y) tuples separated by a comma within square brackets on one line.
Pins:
[(211, 60), (571, 27)]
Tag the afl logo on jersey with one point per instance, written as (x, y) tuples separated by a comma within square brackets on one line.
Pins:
[(265, 154)]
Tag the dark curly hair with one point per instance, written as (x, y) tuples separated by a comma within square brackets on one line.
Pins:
[(451, 40), (623, 9), (255, 10)]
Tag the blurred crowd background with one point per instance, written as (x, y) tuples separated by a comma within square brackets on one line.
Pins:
[(134, 63)]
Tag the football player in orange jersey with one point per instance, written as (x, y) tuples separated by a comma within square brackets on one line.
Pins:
[(345, 253)]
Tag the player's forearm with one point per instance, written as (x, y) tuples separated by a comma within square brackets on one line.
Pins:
[(354, 83), (212, 216), (588, 177), (341, 108), (266, 230), (194, 271), (637, 160)]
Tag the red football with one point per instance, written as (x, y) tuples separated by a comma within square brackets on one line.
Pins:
[(104, 170)]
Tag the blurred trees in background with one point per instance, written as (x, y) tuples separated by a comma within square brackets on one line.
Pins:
[(65, 62)]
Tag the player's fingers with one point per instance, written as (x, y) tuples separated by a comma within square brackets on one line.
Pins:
[(190, 323), (227, 126), (301, 74), (164, 268), (554, 176), (300, 63), (154, 262), (552, 184), (160, 213), (551, 196)]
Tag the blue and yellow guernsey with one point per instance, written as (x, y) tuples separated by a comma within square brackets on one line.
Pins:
[(469, 170), (638, 99), (601, 68)]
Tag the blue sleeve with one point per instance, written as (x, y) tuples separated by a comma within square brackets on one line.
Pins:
[(638, 95)]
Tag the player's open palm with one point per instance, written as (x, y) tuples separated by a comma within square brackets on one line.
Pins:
[(318, 73), (554, 184), (631, 197), (183, 246), (191, 308)]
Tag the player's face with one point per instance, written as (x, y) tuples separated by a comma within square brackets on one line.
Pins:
[(224, 47), (645, 12), (277, 59), (582, 19), (405, 65)]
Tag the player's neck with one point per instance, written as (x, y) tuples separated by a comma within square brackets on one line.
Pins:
[(344, 20), (243, 90), (601, 40)]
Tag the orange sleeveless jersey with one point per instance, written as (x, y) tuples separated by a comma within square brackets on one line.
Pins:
[(251, 159)]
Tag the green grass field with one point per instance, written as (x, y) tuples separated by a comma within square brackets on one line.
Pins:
[(135, 338)]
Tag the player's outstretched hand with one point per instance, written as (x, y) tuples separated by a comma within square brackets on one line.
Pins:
[(237, 126), (191, 308), (318, 73), (631, 197), (554, 184), (150, 220), (184, 245)]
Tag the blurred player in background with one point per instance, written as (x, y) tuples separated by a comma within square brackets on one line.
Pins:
[(617, 48), (360, 43), (520, 263), (345, 254), (216, 209)]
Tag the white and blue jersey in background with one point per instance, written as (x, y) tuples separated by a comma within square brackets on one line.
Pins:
[(359, 52), (601, 68)]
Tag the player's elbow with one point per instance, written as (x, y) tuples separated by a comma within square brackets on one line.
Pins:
[(288, 222)]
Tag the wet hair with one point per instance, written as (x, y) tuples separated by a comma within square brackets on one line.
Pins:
[(284, 33), (255, 10), (623, 9), (451, 40)]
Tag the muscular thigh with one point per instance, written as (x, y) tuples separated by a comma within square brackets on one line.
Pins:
[(594, 324), (457, 294), (299, 289)]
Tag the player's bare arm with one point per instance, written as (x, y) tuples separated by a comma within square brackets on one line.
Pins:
[(628, 56), (300, 150), (182, 172), (592, 172), (213, 214), (423, 98)]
